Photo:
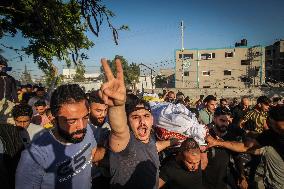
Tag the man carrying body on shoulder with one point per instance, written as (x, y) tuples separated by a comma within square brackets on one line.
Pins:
[(218, 158), (183, 170), (134, 161)]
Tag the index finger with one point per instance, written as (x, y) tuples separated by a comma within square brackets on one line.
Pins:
[(107, 70), (119, 69)]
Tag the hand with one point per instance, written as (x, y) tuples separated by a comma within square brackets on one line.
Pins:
[(211, 141), (113, 92), (242, 183)]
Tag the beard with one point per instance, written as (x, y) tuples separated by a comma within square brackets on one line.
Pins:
[(69, 136), (222, 128), (95, 121)]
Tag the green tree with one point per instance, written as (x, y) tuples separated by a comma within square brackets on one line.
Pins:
[(131, 71), (160, 81), (80, 73), (55, 29)]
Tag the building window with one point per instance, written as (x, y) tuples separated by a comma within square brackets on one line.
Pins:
[(206, 73), (227, 72), (207, 56), (245, 62), (257, 53), (229, 54), (229, 87), (186, 73), (186, 56), (268, 52), (206, 86)]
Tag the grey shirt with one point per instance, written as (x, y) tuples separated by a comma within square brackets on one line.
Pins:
[(136, 166), (49, 164)]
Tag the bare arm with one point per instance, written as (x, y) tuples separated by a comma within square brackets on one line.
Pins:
[(113, 93), (98, 154), (161, 145), (234, 146), (161, 183), (204, 160)]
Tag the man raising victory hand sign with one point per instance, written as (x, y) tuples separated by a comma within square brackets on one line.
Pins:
[(134, 160)]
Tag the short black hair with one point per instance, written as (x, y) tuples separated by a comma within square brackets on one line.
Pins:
[(40, 103), (22, 110), (40, 89), (64, 94), (222, 111), (263, 100), (223, 100), (188, 144), (209, 98), (277, 113), (94, 97)]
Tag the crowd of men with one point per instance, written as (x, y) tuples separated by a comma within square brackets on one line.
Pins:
[(66, 138)]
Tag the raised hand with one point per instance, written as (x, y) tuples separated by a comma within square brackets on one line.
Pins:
[(113, 92)]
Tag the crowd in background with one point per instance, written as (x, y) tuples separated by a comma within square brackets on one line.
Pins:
[(69, 138)]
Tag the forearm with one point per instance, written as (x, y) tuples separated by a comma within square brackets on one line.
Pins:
[(118, 119), (120, 134), (232, 145), (161, 145)]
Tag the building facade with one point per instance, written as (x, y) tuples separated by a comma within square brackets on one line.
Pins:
[(274, 62), (234, 67)]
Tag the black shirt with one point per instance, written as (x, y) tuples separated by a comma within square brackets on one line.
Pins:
[(215, 174), (136, 167), (177, 176), (271, 138)]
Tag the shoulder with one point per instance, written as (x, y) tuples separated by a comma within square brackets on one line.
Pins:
[(34, 129)]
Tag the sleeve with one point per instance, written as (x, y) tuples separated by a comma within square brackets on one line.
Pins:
[(247, 116), (29, 173), (14, 91), (264, 138), (164, 175)]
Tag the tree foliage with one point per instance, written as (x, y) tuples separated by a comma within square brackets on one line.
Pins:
[(131, 71), (55, 29), (80, 72)]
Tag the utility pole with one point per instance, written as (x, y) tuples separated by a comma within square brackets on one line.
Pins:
[(182, 56)]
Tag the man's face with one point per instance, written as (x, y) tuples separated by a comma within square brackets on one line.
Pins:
[(211, 106), (40, 93), (222, 122), (277, 126), (264, 107), (22, 121), (72, 120), (141, 122), (224, 104), (40, 109), (98, 113), (171, 97), (191, 159), (245, 103), (2, 67)]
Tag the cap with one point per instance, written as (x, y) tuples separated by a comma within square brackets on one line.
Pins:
[(133, 103)]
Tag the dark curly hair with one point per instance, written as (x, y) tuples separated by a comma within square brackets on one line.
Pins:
[(68, 93), (22, 110), (93, 97)]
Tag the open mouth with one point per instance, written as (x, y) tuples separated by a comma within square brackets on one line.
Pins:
[(142, 131)]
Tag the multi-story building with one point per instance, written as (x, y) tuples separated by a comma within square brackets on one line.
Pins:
[(274, 62), (234, 67)]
